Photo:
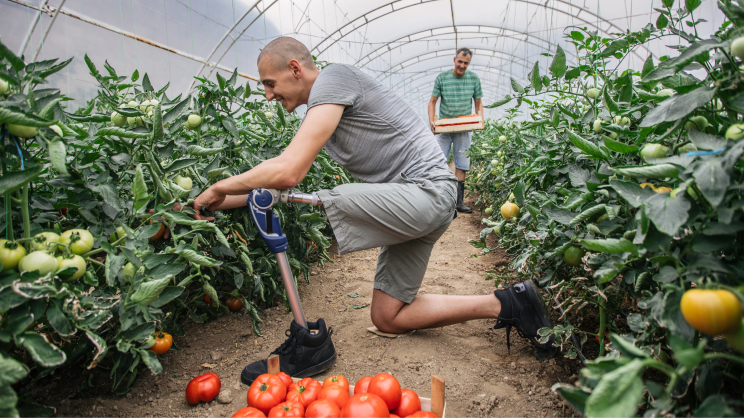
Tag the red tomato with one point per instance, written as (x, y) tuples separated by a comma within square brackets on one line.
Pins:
[(323, 409), (305, 391), (266, 392), (335, 393), (392, 415), (362, 385), (286, 379), (207, 300), (287, 409), (365, 405), (248, 412), (424, 414), (336, 380), (386, 387), (409, 403), (203, 388)]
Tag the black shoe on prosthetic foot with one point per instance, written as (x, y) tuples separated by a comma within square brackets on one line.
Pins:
[(303, 354), (523, 308)]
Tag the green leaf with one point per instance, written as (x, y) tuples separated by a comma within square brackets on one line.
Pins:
[(691, 5), (139, 189), (618, 393), (634, 194), (8, 401), (712, 180), (58, 155), (648, 66), (170, 293), (534, 77), (16, 116), (42, 351), (149, 291), (157, 124), (519, 190), (661, 22), (658, 171), (11, 181), (684, 353), (14, 61), (197, 258), (585, 145), (151, 361), (668, 213), (611, 105), (615, 46), (180, 164), (627, 347), (517, 88), (146, 86), (11, 371), (55, 68), (609, 245), (122, 133), (558, 66), (135, 76), (176, 111), (221, 80), (501, 102), (58, 320), (619, 146), (678, 106), (100, 346), (178, 191), (229, 124), (198, 151), (706, 141), (575, 396), (695, 52), (139, 333)]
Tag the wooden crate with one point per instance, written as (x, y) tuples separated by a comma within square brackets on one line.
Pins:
[(435, 404), (469, 124)]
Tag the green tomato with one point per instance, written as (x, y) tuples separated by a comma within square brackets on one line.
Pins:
[(133, 104), (10, 254), (500, 153), (193, 121), (137, 121), (22, 131), (128, 270), (697, 123), (494, 163), (117, 119), (735, 132), (654, 151), (83, 240), (618, 120), (184, 182), (737, 47), (269, 115), (736, 338), (684, 149), (75, 261), (597, 125), (42, 241), (692, 193), (502, 139), (119, 234), (613, 135), (592, 93), (38, 260), (3, 87), (488, 211), (626, 121), (665, 92), (573, 256)]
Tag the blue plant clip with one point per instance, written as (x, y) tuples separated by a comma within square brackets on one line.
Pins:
[(701, 153), (260, 202)]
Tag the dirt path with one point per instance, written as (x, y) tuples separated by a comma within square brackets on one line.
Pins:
[(481, 378)]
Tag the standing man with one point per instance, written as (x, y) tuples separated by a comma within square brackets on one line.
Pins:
[(405, 204), (458, 88)]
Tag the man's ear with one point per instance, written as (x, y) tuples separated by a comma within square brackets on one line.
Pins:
[(296, 68)]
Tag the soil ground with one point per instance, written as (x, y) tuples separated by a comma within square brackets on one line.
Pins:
[(482, 379)]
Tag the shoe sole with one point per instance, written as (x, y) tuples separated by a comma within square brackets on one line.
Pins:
[(542, 312), (310, 371)]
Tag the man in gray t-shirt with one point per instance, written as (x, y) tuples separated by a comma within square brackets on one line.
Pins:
[(405, 205)]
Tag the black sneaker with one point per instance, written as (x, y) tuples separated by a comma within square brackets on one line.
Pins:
[(303, 354), (523, 308)]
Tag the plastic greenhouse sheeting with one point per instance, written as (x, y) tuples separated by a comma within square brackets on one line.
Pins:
[(403, 43)]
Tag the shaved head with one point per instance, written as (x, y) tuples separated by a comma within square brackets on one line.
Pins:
[(282, 50)]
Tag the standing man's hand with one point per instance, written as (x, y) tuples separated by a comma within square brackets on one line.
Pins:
[(211, 199), (432, 125)]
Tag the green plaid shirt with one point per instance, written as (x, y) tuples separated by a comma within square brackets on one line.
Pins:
[(457, 93)]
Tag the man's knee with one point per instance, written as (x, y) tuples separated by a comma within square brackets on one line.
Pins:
[(385, 321)]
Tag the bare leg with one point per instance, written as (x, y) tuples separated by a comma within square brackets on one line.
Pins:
[(429, 311), (460, 174)]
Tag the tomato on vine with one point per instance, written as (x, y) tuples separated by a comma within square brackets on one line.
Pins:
[(712, 312), (80, 241), (11, 254), (42, 261), (234, 304), (162, 344), (45, 241), (72, 260)]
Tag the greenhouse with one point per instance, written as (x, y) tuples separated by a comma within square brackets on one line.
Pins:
[(336, 208)]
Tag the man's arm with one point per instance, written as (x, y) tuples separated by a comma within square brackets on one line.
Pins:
[(479, 107), (282, 172), (432, 111)]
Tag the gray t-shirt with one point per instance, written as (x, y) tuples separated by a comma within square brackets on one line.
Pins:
[(379, 136)]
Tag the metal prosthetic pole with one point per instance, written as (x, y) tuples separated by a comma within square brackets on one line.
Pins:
[(260, 202)]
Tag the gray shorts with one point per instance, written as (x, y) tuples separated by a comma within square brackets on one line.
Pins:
[(405, 218), (458, 142)]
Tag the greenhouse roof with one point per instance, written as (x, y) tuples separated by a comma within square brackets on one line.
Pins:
[(403, 43)]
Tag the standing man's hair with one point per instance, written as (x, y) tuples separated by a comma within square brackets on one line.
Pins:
[(464, 51), (281, 50)]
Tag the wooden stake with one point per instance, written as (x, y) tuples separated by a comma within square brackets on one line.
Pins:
[(437, 395), (273, 364)]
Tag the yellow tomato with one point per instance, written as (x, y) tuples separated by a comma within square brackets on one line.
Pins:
[(711, 312)]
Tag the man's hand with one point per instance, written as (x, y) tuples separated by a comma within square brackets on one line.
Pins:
[(432, 125), (211, 199)]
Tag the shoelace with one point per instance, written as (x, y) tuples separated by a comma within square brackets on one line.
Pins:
[(288, 345)]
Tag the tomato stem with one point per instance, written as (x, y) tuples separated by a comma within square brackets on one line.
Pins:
[(602, 320)]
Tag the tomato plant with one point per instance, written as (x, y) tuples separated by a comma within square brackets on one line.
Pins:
[(266, 392), (203, 388), (365, 405)]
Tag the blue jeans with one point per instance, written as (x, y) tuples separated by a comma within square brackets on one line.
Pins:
[(459, 142)]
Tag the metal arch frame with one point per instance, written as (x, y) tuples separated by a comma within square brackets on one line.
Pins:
[(426, 73), (367, 21), (234, 39), (448, 33), (389, 73), (492, 85), (32, 27)]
